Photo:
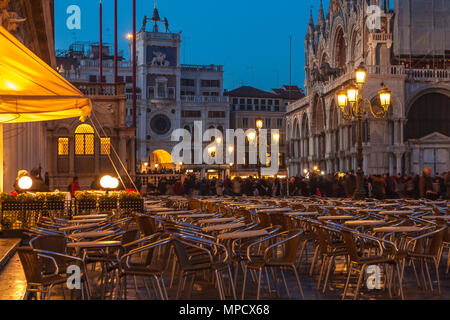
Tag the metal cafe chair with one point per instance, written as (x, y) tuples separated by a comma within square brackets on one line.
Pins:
[(288, 242), (39, 281), (360, 260), (427, 248), (217, 262), (149, 268)]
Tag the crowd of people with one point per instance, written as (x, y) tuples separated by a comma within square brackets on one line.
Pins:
[(331, 185)]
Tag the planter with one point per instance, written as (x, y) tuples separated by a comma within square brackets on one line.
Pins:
[(56, 205), (86, 205), (105, 205), (132, 204), (11, 206)]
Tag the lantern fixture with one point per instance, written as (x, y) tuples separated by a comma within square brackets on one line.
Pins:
[(352, 94), (385, 97), (259, 123), (361, 75)]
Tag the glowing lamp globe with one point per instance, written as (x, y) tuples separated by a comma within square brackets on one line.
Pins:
[(25, 183), (352, 94), (361, 74), (114, 183), (385, 98), (105, 182), (342, 98)]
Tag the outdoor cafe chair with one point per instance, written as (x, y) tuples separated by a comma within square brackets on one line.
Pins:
[(217, 262), (150, 268), (39, 281), (360, 259), (427, 248), (270, 257)]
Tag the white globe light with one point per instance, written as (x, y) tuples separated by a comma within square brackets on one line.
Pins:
[(105, 182), (25, 183), (114, 183)]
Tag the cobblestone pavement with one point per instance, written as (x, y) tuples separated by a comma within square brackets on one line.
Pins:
[(13, 283)]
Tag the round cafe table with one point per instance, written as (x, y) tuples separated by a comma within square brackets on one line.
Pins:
[(220, 227), (336, 218), (242, 234), (369, 223)]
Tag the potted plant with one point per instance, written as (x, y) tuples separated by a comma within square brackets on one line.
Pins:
[(107, 201), (55, 200), (86, 200), (131, 200)]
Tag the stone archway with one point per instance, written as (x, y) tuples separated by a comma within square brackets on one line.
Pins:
[(427, 131), (340, 53), (161, 159)]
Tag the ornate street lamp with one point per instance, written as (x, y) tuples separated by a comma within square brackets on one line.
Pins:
[(353, 105)]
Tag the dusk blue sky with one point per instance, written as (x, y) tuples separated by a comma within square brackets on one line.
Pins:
[(250, 38)]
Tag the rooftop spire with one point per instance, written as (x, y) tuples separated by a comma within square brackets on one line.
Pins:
[(321, 17)]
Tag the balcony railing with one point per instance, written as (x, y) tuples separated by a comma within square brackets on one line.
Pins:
[(204, 99), (106, 64), (100, 89), (380, 37), (196, 67)]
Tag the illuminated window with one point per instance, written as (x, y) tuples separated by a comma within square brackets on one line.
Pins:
[(105, 146), (84, 140), (63, 146), (268, 159)]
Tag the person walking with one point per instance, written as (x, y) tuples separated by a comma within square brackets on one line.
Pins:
[(75, 186), (426, 185)]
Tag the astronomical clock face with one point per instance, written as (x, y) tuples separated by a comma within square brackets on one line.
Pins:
[(160, 124)]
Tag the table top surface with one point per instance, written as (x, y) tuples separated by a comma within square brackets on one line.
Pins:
[(158, 209), (398, 212), (436, 217), (269, 210), (398, 229), (219, 227), (86, 220), (242, 234), (172, 212), (92, 234), (303, 213), (198, 215), (336, 217), (81, 226), (364, 222), (216, 220), (92, 216), (94, 244)]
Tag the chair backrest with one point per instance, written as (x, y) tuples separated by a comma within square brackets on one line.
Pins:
[(30, 264), (264, 220), (146, 225), (54, 243), (436, 242), (351, 245), (291, 246)]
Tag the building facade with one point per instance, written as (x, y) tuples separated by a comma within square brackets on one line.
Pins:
[(170, 95), (416, 133), (247, 105)]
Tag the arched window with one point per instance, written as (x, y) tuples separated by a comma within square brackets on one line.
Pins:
[(84, 140)]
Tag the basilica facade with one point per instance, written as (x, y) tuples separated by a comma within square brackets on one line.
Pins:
[(402, 45)]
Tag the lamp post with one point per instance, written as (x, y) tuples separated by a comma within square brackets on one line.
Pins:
[(353, 105), (251, 136)]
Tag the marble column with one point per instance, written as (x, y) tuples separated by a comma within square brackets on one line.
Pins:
[(398, 156), (391, 164)]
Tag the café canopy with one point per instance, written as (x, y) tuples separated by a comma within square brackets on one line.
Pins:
[(30, 90)]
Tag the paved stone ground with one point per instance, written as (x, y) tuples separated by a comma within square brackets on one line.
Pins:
[(12, 286)]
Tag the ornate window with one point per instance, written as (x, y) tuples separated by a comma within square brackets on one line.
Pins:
[(84, 140), (105, 146), (63, 146)]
